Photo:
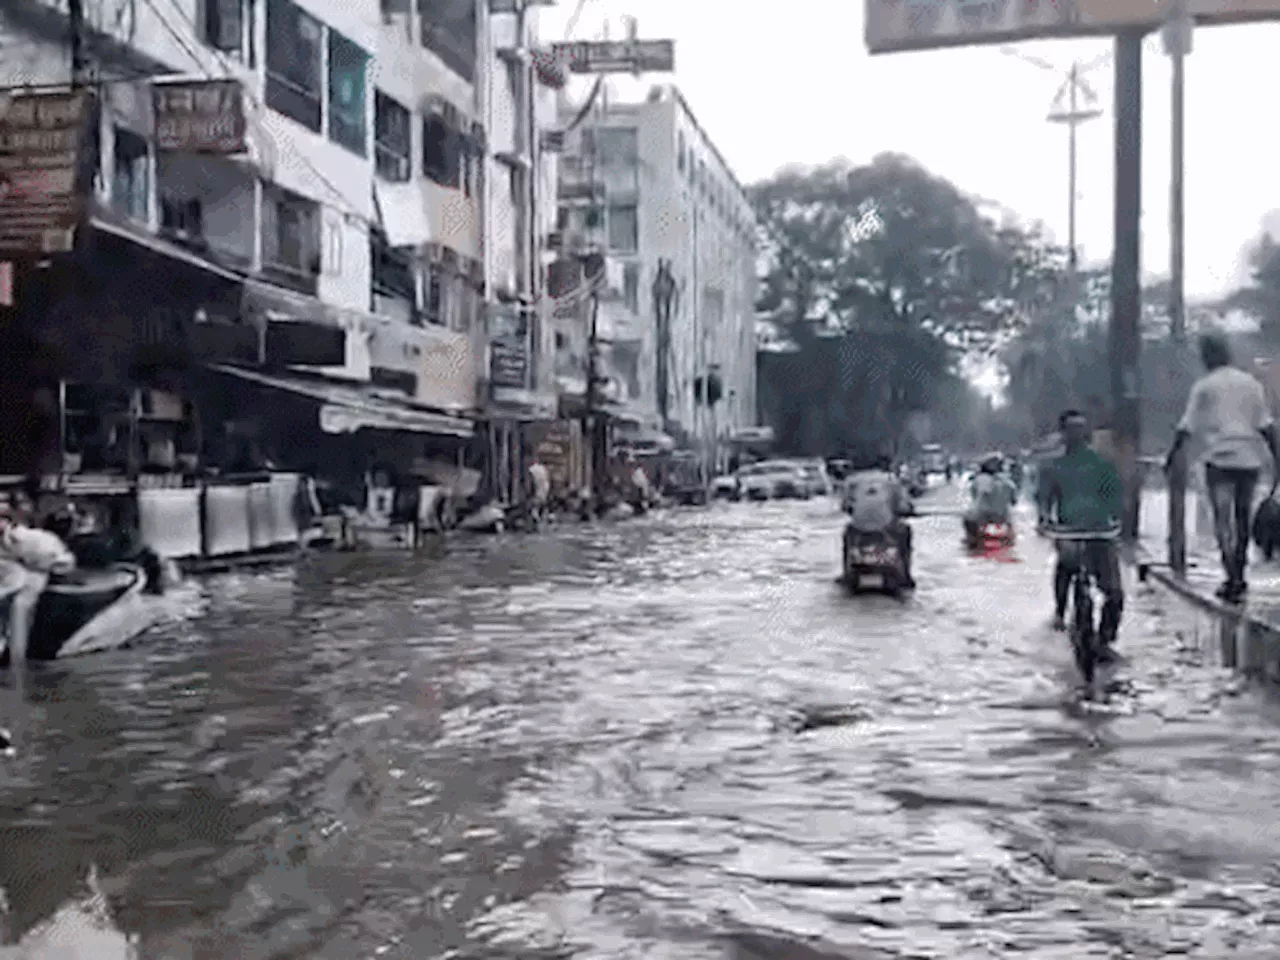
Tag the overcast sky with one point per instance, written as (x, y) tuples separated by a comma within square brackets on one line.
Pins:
[(797, 86)]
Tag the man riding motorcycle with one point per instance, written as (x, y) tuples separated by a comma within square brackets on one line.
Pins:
[(993, 497), (1083, 494), (876, 502)]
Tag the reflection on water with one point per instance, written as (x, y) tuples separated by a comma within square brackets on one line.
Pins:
[(671, 738), (80, 930)]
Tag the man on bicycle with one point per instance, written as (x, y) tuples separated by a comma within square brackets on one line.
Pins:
[(1083, 495)]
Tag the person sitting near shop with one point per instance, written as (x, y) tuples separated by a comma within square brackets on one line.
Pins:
[(39, 554)]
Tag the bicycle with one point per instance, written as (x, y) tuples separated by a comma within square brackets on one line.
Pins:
[(1085, 643)]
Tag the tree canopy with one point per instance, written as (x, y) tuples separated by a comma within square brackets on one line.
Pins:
[(884, 277)]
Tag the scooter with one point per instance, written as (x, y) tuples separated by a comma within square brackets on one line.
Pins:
[(873, 556), (992, 535)]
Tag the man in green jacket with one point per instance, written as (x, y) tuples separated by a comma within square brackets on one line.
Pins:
[(1083, 494)]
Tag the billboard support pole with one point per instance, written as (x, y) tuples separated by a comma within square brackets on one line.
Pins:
[(1177, 37), (1126, 263)]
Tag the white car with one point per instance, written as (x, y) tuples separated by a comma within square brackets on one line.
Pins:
[(815, 474), (773, 480)]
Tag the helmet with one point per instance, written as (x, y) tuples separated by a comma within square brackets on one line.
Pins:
[(992, 463)]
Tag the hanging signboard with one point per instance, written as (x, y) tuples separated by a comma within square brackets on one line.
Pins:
[(895, 25), (617, 56), (46, 165), (205, 116)]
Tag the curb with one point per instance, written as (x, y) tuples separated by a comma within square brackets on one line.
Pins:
[(1250, 643)]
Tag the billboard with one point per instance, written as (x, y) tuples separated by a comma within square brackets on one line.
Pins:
[(205, 116), (896, 25), (46, 166)]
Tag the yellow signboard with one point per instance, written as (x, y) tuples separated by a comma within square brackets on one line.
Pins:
[(894, 25)]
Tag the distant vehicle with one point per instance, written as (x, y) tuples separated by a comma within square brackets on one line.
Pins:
[(684, 482), (773, 480), (933, 459), (815, 473)]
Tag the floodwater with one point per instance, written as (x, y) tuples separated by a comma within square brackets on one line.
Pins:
[(674, 737)]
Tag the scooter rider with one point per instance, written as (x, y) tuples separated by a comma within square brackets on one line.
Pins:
[(876, 502), (993, 497)]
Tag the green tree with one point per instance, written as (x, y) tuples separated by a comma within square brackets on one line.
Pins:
[(884, 276), (1260, 298)]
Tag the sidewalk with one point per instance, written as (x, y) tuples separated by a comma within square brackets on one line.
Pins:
[(1203, 562)]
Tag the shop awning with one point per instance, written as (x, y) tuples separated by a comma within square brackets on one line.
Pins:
[(346, 408), (164, 247), (275, 303)]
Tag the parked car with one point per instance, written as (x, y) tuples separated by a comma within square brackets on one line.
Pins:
[(773, 480), (815, 474)]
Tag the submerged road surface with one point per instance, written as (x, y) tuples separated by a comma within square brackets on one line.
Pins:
[(671, 738)]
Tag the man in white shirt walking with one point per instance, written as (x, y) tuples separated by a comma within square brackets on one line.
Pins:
[(1228, 412)]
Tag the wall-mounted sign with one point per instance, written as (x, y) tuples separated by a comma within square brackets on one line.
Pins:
[(509, 362), (46, 166), (205, 116)]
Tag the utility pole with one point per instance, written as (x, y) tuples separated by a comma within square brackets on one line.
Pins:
[(1126, 293), (1177, 43), (1067, 109)]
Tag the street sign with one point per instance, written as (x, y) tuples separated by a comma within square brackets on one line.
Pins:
[(619, 56)]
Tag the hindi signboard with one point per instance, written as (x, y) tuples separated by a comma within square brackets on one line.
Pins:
[(617, 56), (45, 169), (204, 116), (897, 25)]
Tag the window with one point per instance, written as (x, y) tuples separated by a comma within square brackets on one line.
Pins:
[(680, 152), (290, 232), (392, 276), (392, 146), (295, 58), (449, 31), (623, 229), (227, 25), (347, 112), (434, 306), (617, 147), (131, 185), (182, 217), (440, 155), (631, 286)]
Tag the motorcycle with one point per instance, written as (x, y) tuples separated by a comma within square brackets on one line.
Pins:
[(873, 556), (992, 535)]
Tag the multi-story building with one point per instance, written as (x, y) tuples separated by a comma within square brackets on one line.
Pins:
[(343, 233), (646, 182), (519, 106)]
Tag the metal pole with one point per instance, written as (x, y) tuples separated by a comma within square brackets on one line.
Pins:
[(1071, 170), (1126, 294), (1177, 305)]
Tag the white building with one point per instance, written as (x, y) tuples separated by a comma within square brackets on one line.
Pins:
[(376, 130), (648, 177)]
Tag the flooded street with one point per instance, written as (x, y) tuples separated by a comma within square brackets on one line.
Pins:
[(674, 737)]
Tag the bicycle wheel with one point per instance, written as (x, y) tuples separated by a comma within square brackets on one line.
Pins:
[(1082, 632)]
